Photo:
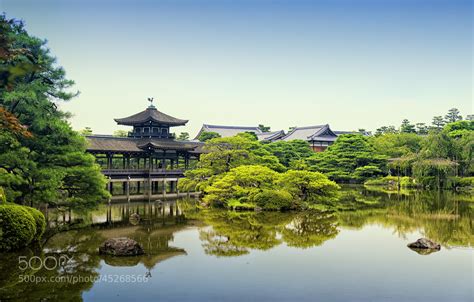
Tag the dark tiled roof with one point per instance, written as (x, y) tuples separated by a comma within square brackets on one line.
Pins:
[(270, 136), (165, 144), (111, 143), (306, 133), (150, 114), (103, 143), (227, 131), (322, 133)]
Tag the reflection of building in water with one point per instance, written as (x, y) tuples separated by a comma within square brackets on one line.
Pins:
[(116, 213), (149, 211), (154, 230)]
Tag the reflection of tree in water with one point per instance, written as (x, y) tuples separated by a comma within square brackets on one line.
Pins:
[(78, 246), (440, 216), (308, 229), (220, 245), (443, 216), (235, 233), (154, 232)]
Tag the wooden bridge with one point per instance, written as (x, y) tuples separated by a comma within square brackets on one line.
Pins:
[(139, 184)]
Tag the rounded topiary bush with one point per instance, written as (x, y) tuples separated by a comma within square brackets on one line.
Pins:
[(17, 227), (274, 200), (40, 222)]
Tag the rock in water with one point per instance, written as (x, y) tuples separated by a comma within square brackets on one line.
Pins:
[(121, 247), (134, 219), (424, 243)]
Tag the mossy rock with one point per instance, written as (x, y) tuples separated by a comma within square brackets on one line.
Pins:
[(17, 227), (40, 222)]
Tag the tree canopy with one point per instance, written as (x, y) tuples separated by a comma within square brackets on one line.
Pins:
[(207, 135), (349, 153), (240, 171), (50, 164)]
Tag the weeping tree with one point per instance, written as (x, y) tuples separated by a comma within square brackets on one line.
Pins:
[(434, 172)]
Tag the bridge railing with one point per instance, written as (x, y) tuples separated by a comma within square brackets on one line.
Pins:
[(142, 171)]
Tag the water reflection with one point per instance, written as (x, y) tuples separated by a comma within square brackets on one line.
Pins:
[(67, 263), (233, 234), (444, 217)]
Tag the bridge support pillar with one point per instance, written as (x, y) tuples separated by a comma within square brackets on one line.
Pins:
[(149, 188), (127, 189), (109, 186), (164, 188)]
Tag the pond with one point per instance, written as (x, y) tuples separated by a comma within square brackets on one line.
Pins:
[(215, 255)]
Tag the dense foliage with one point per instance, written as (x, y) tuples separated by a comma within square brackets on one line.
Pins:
[(40, 222), (240, 172), (250, 186), (206, 135), (435, 160), (291, 154), (41, 158), (350, 158), (396, 144), (18, 226)]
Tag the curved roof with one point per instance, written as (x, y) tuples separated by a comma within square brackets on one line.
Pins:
[(151, 114), (105, 143), (165, 144), (321, 133), (270, 136), (305, 133)]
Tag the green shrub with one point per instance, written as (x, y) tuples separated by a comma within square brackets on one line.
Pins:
[(40, 222), (236, 204), (274, 200), (368, 171), (17, 227), (3, 196), (463, 181), (392, 181), (382, 181)]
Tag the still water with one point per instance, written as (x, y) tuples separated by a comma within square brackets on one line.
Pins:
[(214, 255)]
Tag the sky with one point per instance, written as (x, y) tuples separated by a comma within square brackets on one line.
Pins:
[(348, 63)]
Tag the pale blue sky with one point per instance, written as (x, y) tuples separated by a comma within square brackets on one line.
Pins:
[(352, 64)]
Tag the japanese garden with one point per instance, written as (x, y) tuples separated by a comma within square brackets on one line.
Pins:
[(253, 203)]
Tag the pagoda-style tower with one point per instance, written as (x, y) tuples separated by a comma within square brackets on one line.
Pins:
[(147, 163), (151, 123)]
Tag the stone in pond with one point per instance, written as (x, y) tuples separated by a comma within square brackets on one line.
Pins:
[(134, 219), (121, 247), (424, 246)]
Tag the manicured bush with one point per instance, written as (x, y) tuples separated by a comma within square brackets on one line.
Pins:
[(310, 187), (367, 172), (274, 200), (241, 183), (240, 205), (40, 222), (17, 227)]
